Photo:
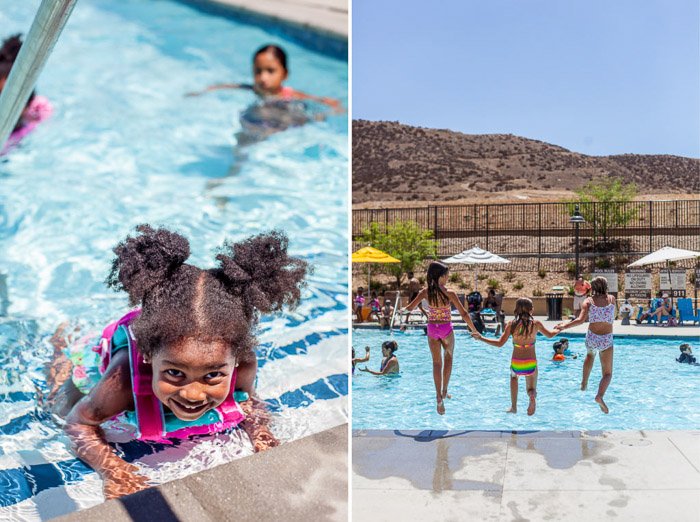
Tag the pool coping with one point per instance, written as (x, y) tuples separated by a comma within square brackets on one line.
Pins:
[(639, 331), (526, 475), (308, 475), (321, 25)]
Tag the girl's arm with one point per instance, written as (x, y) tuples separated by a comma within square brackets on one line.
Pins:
[(386, 369), (543, 329), (111, 396), (362, 359), (412, 305), (494, 342), (458, 305), (582, 317), (220, 86), (331, 102)]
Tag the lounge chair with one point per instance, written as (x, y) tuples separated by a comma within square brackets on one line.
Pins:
[(490, 319), (686, 312)]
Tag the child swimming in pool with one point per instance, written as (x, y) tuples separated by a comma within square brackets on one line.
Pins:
[(37, 107), (441, 338), (523, 361), (390, 363), (177, 360), (275, 112), (356, 360)]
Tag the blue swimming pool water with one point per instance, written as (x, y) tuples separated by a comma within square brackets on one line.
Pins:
[(124, 146), (649, 389)]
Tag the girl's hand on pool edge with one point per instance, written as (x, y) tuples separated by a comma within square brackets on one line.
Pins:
[(123, 480)]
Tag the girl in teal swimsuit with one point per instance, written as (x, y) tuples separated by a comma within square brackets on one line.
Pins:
[(524, 359)]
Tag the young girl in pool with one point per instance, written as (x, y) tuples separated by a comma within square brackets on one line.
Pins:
[(523, 361), (441, 339), (177, 360), (390, 363), (37, 108), (269, 73)]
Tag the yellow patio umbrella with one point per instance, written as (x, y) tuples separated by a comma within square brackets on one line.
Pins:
[(372, 255)]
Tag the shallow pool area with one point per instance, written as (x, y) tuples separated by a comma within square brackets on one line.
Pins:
[(649, 389), (125, 146)]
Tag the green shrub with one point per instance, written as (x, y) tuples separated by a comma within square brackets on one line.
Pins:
[(571, 268), (537, 292), (518, 285), (569, 290), (455, 277), (509, 277), (603, 262), (421, 280), (482, 277), (493, 283), (542, 273)]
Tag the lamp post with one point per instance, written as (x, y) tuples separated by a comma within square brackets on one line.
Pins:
[(577, 219)]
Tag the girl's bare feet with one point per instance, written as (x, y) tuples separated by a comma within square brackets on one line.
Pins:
[(512, 409), (583, 387), (440, 407), (531, 407), (446, 395), (602, 404)]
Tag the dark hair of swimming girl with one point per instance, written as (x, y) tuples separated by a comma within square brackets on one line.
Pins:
[(276, 51), (523, 323), (180, 300), (436, 295)]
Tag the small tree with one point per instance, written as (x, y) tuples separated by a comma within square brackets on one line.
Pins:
[(609, 196), (404, 240)]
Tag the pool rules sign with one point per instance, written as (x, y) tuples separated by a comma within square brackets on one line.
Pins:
[(638, 283), (676, 287)]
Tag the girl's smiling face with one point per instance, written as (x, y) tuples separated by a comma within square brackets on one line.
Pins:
[(192, 377), (268, 73)]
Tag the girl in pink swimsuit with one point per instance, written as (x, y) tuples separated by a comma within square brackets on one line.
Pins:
[(441, 338), (184, 362), (599, 311)]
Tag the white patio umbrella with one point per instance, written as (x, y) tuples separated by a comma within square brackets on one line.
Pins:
[(475, 256), (666, 255)]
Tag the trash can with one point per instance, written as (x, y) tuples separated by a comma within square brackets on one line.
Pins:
[(554, 306)]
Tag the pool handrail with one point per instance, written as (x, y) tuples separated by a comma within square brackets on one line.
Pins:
[(393, 315), (48, 23)]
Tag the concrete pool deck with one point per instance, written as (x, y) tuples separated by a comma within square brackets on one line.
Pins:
[(325, 16), (309, 475), (519, 476)]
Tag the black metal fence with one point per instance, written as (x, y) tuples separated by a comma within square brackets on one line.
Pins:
[(543, 230)]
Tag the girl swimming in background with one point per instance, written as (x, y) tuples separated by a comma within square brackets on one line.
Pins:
[(599, 311), (172, 365), (390, 363), (523, 361), (276, 112), (37, 108), (441, 338)]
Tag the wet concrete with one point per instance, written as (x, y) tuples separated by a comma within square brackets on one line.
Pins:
[(300, 480), (627, 475)]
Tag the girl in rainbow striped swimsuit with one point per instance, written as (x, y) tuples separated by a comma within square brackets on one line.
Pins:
[(524, 330)]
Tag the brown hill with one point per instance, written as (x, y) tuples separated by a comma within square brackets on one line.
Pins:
[(392, 162)]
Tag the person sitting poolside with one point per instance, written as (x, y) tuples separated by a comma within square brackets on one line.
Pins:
[(385, 314), (390, 363), (687, 356), (665, 309), (653, 305)]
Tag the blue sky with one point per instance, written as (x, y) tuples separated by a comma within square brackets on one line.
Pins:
[(597, 77)]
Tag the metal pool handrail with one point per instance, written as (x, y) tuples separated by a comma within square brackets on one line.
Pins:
[(49, 21)]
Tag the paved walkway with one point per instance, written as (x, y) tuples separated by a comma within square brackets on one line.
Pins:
[(328, 16), (505, 476), (300, 478)]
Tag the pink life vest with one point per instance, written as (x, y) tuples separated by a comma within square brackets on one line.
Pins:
[(38, 110), (151, 422)]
